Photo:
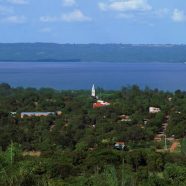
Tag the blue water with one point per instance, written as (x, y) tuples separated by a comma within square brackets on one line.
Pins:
[(81, 75)]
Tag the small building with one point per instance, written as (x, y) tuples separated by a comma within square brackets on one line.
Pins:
[(119, 145), (125, 118), (154, 110), (100, 103), (145, 121), (36, 114), (32, 153), (13, 113), (59, 113)]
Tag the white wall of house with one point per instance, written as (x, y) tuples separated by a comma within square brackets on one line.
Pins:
[(154, 110)]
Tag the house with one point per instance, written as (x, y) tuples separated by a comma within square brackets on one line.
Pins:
[(59, 113), (32, 153), (125, 118), (36, 114), (100, 103), (13, 113), (119, 145), (145, 121), (154, 110)]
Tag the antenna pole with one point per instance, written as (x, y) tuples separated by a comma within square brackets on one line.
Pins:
[(11, 153), (165, 147), (122, 176)]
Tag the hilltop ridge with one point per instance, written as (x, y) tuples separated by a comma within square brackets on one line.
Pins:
[(52, 52)]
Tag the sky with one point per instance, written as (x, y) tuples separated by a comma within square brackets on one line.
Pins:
[(93, 21)]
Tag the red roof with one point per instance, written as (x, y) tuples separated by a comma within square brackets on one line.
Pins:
[(98, 105)]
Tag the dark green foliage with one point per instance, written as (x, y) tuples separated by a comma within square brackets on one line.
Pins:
[(183, 146), (76, 148)]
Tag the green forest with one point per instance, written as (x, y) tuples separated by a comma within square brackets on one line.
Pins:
[(76, 148)]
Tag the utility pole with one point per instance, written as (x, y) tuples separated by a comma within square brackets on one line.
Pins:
[(11, 153), (122, 176), (165, 147)]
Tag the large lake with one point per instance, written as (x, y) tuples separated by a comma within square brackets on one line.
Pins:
[(81, 75)]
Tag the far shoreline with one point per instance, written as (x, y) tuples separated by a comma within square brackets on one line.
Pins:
[(79, 61)]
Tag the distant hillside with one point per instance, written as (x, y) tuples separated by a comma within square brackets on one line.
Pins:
[(92, 52)]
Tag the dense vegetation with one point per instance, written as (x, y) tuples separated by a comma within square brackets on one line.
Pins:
[(76, 148), (92, 52)]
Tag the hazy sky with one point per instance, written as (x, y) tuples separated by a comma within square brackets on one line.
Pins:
[(93, 21)]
